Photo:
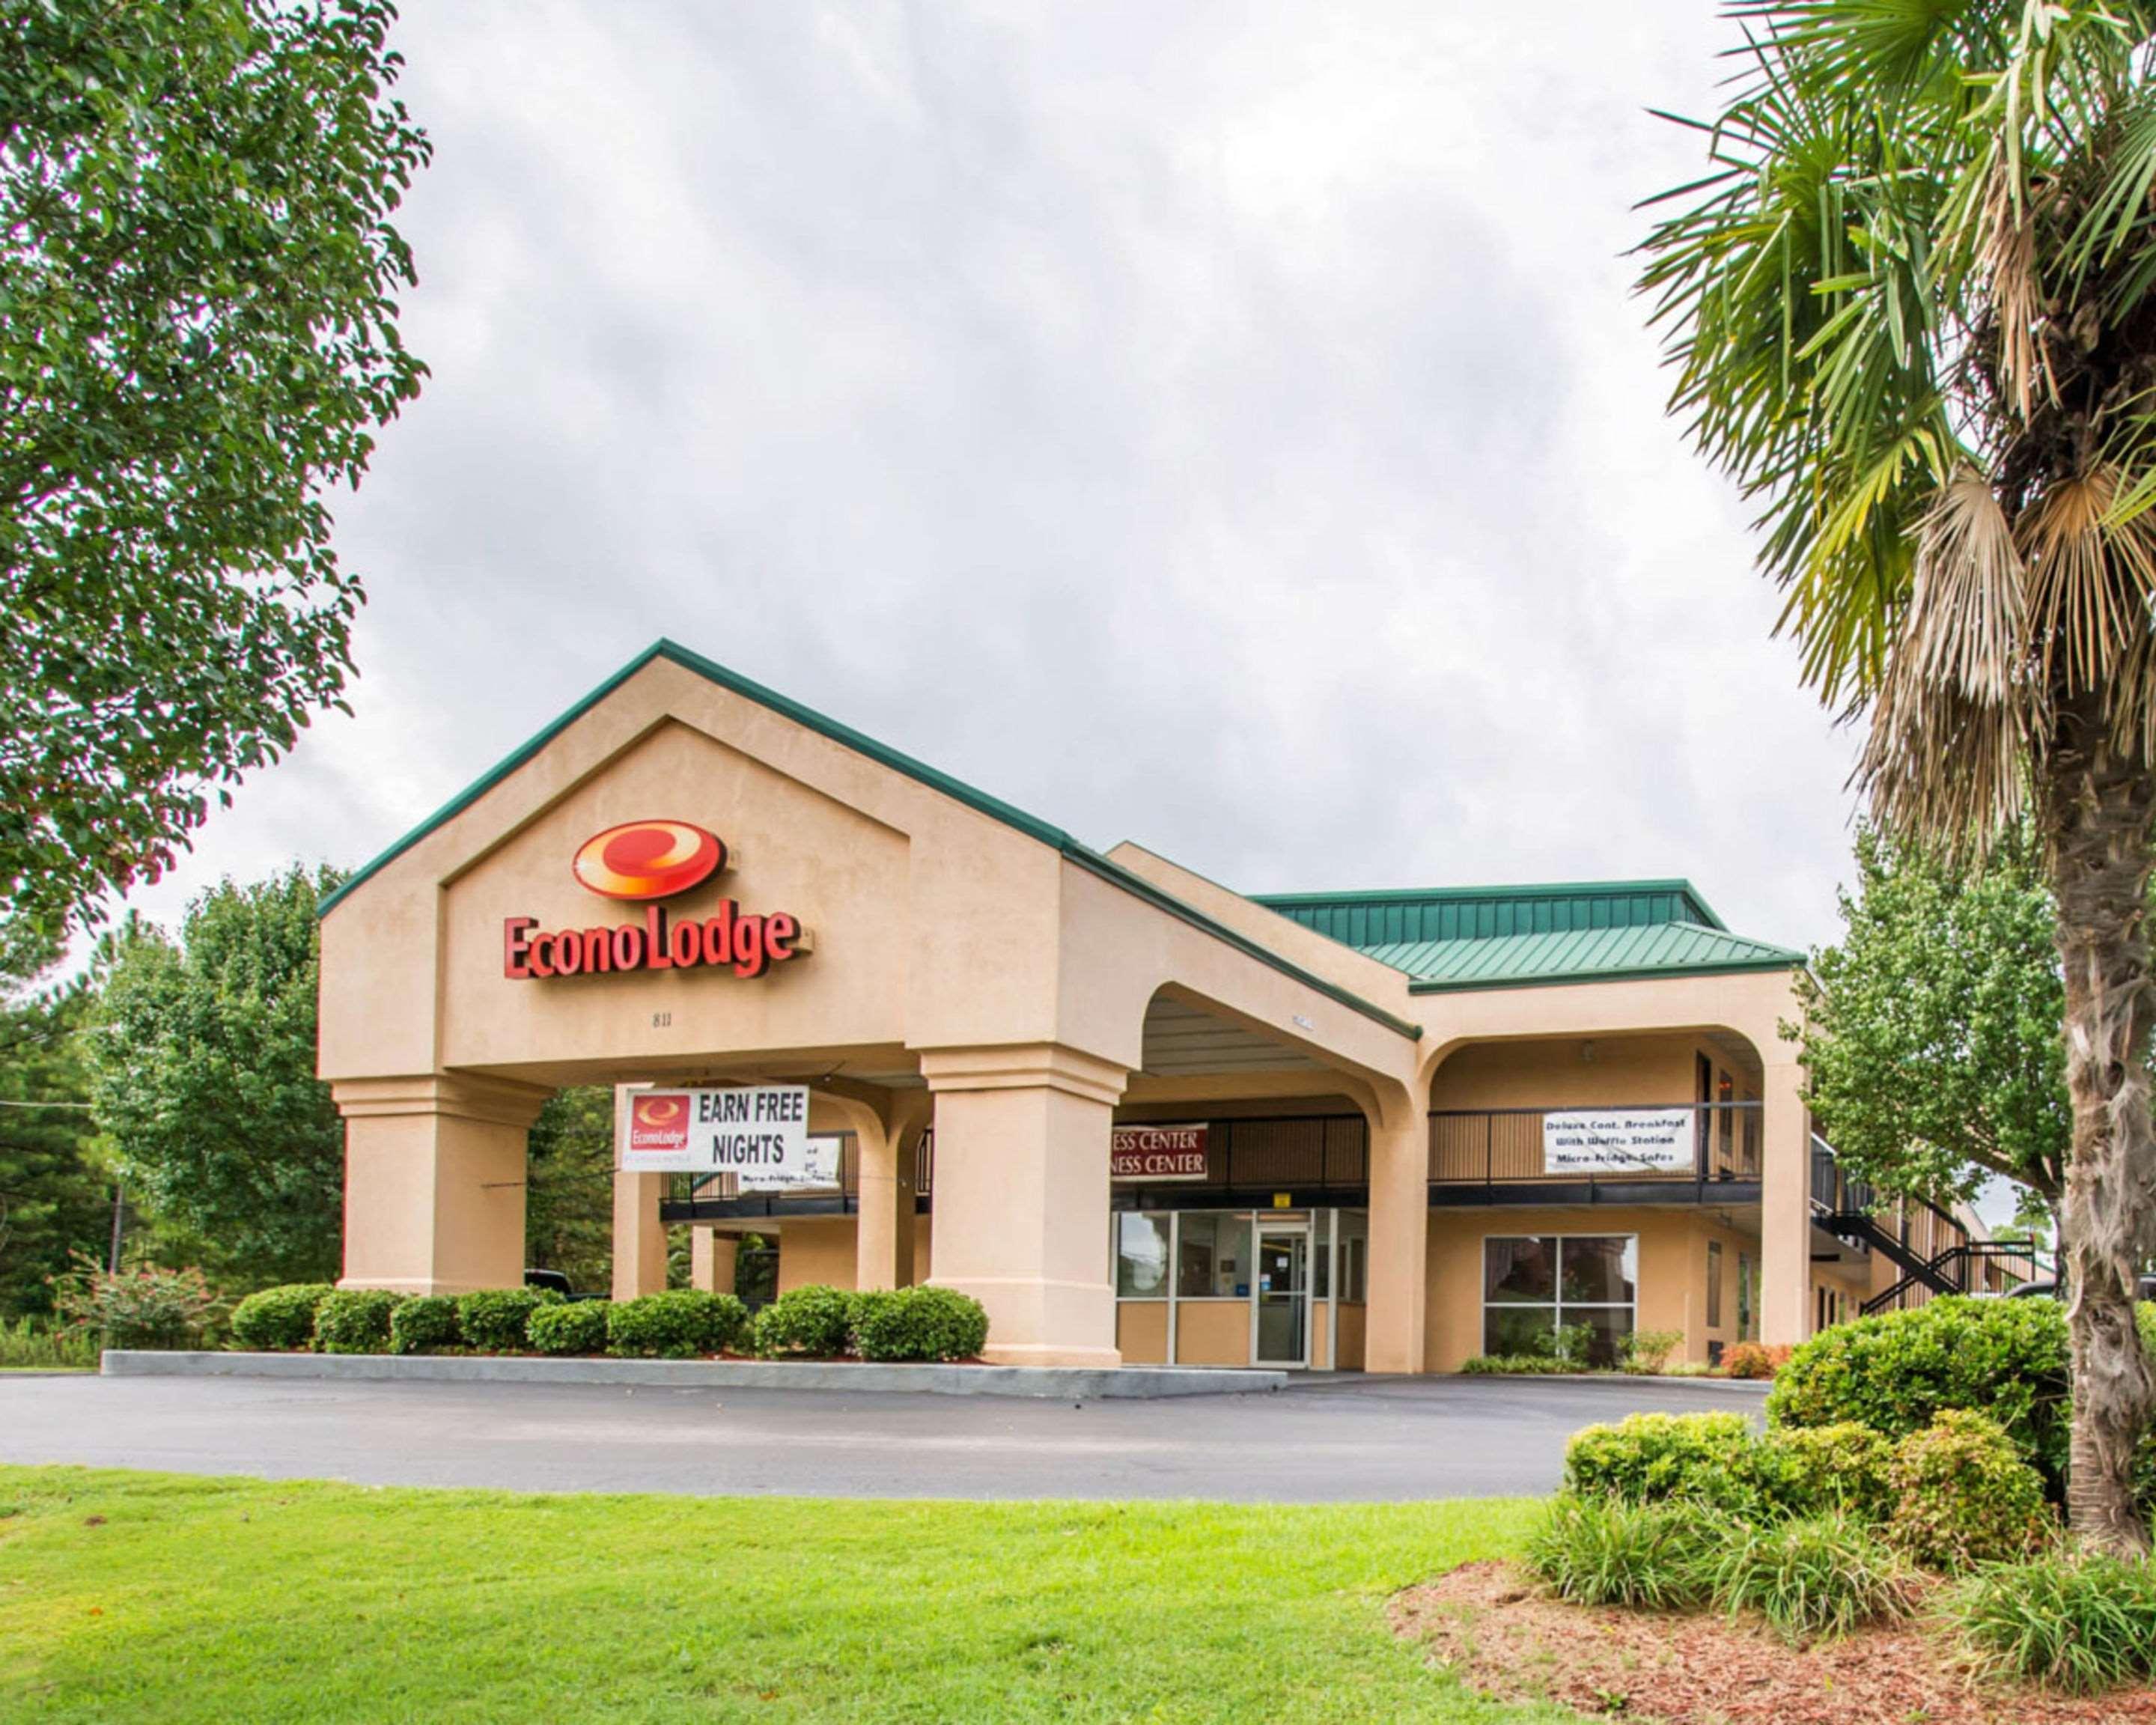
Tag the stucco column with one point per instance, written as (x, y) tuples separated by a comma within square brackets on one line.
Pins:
[(884, 1241), (639, 1237), (1021, 1213), (1786, 1207), (433, 1185), (1397, 1277), (712, 1259)]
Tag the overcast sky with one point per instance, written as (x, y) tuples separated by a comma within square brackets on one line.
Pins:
[(1226, 427)]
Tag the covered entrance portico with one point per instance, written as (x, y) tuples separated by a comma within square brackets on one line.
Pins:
[(691, 880), (958, 967)]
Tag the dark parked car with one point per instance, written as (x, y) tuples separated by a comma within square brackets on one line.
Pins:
[(559, 1282), (2050, 1290)]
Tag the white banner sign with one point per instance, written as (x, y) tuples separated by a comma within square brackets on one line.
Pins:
[(759, 1132), (819, 1168), (1604, 1141)]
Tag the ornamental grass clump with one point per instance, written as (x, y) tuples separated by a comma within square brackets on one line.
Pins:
[(573, 1328), (279, 1319), (1603, 1551), (1810, 1578), (2077, 1623), (1963, 1496)]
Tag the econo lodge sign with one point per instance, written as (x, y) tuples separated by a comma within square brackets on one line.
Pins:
[(652, 860)]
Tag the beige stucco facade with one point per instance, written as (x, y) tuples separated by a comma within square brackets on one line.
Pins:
[(970, 977)]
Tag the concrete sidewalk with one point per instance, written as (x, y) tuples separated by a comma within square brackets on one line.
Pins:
[(1321, 1440)]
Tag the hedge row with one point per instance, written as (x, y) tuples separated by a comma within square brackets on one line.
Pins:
[(906, 1324)]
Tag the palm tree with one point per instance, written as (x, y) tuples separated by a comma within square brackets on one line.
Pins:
[(1912, 311)]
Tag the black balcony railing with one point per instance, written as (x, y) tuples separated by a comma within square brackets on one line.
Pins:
[(1686, 1143), (1832, 1190), (842, 1197)]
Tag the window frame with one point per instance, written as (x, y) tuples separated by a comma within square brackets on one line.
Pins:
[(1558, 1304)]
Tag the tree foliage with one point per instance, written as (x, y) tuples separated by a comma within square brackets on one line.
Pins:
[(197, 338), (53, 1195), (1931, 1043), (568, 1193), (1912, 310), (203, 1079)]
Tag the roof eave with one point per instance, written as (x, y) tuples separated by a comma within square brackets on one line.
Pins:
[(861, 743), (1662, 973)]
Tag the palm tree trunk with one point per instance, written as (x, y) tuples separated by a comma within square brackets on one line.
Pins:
[(2096, 800)]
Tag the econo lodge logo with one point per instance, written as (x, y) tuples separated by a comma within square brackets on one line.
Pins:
[(653, 860), (648, 859), (658, 1121)]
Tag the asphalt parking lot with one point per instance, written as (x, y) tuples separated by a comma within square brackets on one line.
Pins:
[(1322, 1440)]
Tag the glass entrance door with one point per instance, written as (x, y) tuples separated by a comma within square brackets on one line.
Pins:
[(1279, 1297)]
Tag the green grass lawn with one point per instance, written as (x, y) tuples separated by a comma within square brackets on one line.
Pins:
[(127, 1596)]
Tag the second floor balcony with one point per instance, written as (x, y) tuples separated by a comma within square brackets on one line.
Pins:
[(1649, 1152)]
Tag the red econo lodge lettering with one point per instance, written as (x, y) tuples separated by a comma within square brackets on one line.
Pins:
[(651, 860)]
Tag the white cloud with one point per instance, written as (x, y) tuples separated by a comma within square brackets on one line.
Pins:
[(1227, 427)]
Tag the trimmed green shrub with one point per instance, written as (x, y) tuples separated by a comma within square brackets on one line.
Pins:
[(2079, 1624), (815, 1321), (576, 1326), (922, 1323), (427, 1324), (1754, 1360), (1646, 1353), (2006, 1359), (1815, 1576), (278, 1318), (1828, 1469), (1603, 1551), (1513, 1365), (679, 1324), (354, 1320), (495, 1319), (1651, 1458), (1963, 1495), (859, 1303)]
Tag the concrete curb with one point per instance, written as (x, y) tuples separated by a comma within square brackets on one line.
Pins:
[(1727, 1386), (1064, 1384)]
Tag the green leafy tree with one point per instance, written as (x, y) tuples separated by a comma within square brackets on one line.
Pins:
[(568, 1193), (1930, 1034), (198, 339), (54, 1198), (202, 1068), (1912, 309)]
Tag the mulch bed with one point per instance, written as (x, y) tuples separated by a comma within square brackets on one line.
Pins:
[(1509, 1640)]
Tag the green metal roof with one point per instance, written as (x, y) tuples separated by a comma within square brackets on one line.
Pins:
[(1367, 920), (1513, 937), (1580, 956), (808, 717)]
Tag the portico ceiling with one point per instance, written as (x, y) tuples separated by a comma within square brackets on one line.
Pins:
[(1182, 1038)]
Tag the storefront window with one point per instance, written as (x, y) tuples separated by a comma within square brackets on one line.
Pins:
[(1141, 1256), (1536, 1287), (1354, 1255), (1744, 1298), (1214, 1258), (1714, 1285)]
